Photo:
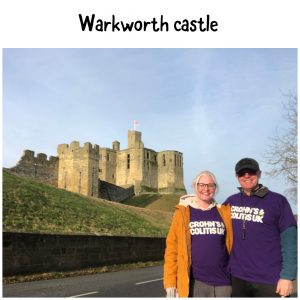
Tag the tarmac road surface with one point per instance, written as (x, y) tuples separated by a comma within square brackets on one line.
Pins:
[(145, 282)]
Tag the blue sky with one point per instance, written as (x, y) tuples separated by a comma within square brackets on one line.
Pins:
[(214, 105)]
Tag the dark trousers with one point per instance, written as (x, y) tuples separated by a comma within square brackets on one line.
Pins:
[(201, 289), (243, 288)]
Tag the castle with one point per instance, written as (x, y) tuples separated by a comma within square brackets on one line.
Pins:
[(109, 173)]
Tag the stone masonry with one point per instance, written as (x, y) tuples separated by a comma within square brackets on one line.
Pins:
[(82, 169), (38, 167)]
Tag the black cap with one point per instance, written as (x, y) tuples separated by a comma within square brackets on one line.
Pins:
[(247, 163)]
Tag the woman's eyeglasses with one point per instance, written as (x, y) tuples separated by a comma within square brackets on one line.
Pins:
[(210, 186)]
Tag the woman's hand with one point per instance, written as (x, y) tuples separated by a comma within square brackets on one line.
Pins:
[(171, 292)]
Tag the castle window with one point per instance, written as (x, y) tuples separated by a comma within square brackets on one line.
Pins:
[(128, 161), (107, 156), (93, 177), (164, 160), (113, 176), (147, 155), (79, 183), (100, 170), (65, 180), (155, 158)]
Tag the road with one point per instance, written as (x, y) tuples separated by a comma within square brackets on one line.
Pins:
[(145, 282)]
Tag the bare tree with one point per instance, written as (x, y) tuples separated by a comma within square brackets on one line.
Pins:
[(282, 153)]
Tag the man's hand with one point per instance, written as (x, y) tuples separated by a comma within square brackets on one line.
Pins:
[(284, 287)]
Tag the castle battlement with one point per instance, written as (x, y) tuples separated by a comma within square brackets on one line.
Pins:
[(40, 158), (107, 149), (38, 167), (74, 147), (81, 169), (27, 155), (170, 151), (92, 149), (53, 159)]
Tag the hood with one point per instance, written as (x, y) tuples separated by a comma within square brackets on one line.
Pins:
[(191, 200), (260, 191)]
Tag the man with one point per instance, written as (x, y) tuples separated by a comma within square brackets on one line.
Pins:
[(263, 260)]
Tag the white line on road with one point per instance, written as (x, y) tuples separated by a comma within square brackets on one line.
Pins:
[(148, 281), (83, 295)]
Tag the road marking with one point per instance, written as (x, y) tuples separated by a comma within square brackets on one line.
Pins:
[(148, 281), (83, 295)]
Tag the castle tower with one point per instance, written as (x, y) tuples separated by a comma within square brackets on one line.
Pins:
[(81, 169), (130, 163), (135, 140), (116, 145), (170, 172), (150, 171), (78, 168), (107, 164)]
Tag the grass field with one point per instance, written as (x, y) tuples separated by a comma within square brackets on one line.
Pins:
[(163, 202), (29, 206)]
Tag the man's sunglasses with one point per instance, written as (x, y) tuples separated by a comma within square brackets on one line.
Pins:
[(246, 171)]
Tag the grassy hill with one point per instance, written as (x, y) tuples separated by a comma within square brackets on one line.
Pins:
[(29, 206), (162, 202)]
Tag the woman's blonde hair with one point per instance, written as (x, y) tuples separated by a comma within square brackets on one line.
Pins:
[(197, 179)]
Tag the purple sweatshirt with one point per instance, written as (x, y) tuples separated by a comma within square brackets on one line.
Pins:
[(209, 254), (257, 224)]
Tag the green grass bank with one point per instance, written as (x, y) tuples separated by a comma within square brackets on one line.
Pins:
[(162, 202), (29, 206)]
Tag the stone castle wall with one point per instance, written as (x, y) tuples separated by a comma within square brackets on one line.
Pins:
[(78, 168), (38, 167), (170, 172), (114, 193), (107, 165), (82, 169), (150, 171)]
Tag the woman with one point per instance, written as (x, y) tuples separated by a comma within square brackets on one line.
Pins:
[(198, 244)]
